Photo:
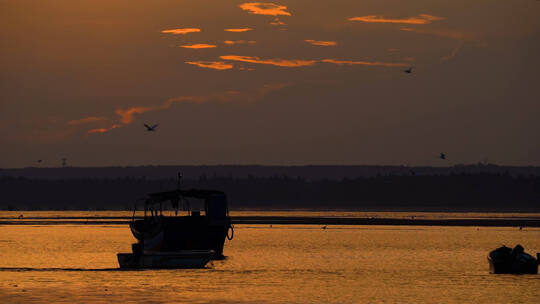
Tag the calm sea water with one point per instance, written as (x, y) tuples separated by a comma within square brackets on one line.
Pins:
[(279, 264)]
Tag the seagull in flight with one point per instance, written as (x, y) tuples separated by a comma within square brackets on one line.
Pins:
[(151, 128), (443, 156), (408, 71)]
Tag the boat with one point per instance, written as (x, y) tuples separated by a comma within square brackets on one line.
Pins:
[(512, 261), (188, 240)]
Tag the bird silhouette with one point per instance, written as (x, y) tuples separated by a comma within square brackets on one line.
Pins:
[(408, 71), (151, 128), (443, 156), (39, 160)]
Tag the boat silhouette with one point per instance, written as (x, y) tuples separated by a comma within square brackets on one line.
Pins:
[(179, 241)]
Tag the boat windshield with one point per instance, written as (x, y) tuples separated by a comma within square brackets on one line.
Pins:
[(192, 202)]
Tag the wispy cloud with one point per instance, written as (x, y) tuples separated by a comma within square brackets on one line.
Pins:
[(260, 8), (86, 120), (277, 22), (292, 63), (198, 46), (442, 33), (181, 31), (216, 65), (231, 42), (238, 30), (369, 63), (453, 53), (127, 116), (277, 62), (96, 121), (321, 42), (420, 19), (103, 130)]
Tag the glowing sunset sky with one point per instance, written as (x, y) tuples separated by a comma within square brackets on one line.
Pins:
[(288, 82)]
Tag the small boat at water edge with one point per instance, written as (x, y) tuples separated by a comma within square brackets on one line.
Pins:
[(179, 241), (178, 259), (512, 261)]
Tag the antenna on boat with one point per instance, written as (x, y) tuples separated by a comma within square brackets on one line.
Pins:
[(179, 178), (179, 198)]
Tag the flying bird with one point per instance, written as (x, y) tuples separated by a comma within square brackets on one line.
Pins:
[(408, 71), (152, 128), (443, 156)]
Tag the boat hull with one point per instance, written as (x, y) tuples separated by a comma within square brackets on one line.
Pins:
[(170, 260), (171, 234)]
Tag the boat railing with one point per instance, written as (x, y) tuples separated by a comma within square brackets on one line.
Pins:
[(155, 208), (214, 203), (133, 216)]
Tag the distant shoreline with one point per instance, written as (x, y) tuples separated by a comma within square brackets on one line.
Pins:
[(298, 220), (308, 172)]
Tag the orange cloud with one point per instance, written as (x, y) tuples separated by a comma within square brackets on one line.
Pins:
[(127, 116), (99, 130), (259, 8), (198, 46), (449, 34), (238, 30), (85, 120), (321, 43), (216, 65), (102, 130), (276, 62), (277, 22), (231, 42), (420, 19), (181, 31), (370, 63)]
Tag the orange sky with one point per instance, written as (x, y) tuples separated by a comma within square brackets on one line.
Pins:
[(289, 82)]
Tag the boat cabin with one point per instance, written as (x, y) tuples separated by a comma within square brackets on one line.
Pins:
[(204, 227)]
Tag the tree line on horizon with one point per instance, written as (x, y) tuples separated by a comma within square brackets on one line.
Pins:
[(309, 172), (483, 191)]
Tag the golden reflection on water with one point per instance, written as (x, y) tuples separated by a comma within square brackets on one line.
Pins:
[(278, 264)]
